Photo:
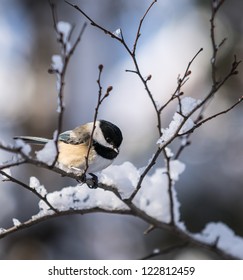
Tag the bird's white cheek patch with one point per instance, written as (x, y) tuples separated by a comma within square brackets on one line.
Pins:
[(99, 137)]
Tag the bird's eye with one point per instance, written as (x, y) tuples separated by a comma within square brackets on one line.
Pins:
[(108, 139)]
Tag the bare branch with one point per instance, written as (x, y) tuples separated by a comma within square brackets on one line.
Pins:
[(180, 82), (54, 15), (198, 124), (106, 31), (101, 98), (216, 4), (36, 220), (151, 163), (12, 163), (216, 84), (140, 26)]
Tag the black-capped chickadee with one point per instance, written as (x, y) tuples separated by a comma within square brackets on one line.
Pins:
[(73, 145)]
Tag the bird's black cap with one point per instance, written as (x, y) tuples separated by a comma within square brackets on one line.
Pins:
[(111, 133)]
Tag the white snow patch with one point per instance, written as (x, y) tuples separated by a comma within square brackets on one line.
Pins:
[(2, 230), (35, 184), (80, 197), (7, 171), (124, 176), (156, 251), (169, 152), (223, 237), (64, 28), (57, 67), (48, 153), (174, 128), (188, 104), (25, 148), (16, 222), (176, 168), (57, 63), (153, 198), (117, 33)]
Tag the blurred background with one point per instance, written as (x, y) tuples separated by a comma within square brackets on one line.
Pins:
[(211, 187)]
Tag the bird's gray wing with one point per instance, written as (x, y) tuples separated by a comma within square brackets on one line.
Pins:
[(33, 140), (65, 136), (77, 136)]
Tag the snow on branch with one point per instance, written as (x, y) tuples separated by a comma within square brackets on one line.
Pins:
[(149, 192)]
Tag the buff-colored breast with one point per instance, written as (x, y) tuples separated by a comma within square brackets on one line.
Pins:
[(74, 155)]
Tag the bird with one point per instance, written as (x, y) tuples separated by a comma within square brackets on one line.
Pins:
[(73, 146)]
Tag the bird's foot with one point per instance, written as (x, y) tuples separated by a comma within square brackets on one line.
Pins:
[(92, 182)]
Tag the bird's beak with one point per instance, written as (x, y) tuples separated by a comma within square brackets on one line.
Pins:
[(116, 150)]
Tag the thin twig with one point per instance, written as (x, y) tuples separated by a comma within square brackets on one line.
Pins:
[(54, 15), (138, 34), (180, 82), (33, 221), (198, 124), (216, 84), (106, 31), (100, 100), (151, 163), (215, 5), (12, 163)]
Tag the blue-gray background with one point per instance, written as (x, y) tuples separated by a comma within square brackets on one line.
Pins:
[(211, 187)]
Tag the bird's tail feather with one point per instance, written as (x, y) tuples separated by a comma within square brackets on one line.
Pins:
[(33, 140)]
